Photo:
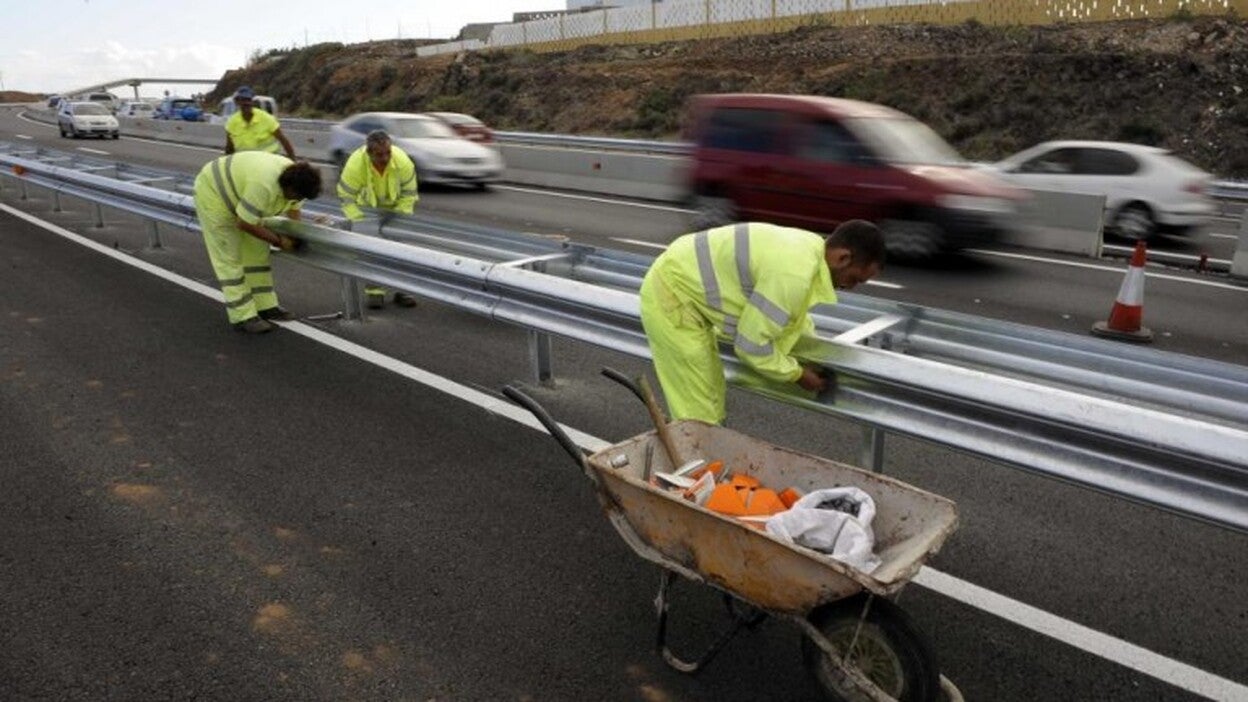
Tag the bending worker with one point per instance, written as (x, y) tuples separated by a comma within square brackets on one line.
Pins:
[(232, 195), (252, 129), (753, 285), (379, 176)]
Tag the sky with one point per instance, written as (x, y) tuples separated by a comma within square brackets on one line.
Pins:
[(55, 46)]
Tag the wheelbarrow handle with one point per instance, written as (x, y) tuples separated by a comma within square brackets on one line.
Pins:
[(577, 453), (625, 381)]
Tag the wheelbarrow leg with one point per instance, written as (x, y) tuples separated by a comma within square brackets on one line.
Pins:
[(739, 620)]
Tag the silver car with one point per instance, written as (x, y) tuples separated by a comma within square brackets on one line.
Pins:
[(440, 155), (76, 119)]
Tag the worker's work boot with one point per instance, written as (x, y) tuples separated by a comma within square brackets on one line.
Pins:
[(253, 325), (278, 314), (402, 299), (375, 300)]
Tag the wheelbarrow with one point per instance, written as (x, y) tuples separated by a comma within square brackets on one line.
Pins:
[(857, 644)]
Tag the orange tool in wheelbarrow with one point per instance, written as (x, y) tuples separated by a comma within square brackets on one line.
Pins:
[(857, 643)]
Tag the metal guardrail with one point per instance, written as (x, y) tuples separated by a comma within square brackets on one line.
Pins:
[(1158, 428)]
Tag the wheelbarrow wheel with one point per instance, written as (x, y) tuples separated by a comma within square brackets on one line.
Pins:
[(890, 651)]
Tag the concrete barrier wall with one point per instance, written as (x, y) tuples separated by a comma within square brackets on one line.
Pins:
[(1063, 222), (607, 172)]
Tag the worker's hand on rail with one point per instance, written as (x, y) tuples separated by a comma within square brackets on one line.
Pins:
[(324, 219), (813, 379), (289, 243)]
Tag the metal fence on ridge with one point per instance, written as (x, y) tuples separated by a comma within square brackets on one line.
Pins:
[(678, 20)]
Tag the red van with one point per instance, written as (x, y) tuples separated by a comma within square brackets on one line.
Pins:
[(813, 162)]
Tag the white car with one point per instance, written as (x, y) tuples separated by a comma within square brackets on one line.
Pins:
[(1147, 190), (136, 109), (77, 119), (440, 155)]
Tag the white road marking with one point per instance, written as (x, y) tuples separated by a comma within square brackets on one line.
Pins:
[(590, 198), (93, 151), (1124, 653), (663, 247), (1111, 269), (23, 136), (1223, 236)]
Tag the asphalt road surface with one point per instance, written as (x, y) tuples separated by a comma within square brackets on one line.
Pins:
[(189, 513)]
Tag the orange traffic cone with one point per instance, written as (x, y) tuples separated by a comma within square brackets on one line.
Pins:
[(1124, 319)]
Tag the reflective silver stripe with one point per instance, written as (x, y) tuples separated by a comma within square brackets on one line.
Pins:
[(231, 281), (257, 269), (226, 195), (251, 208), (263, 289), (407, 191), (773, 311), (702, 246), (730, 325), (741, 242), (229, 176), (240, 301), (752, 348), (350, 190)]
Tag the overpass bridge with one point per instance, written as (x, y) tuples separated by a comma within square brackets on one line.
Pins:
[(136, 82)]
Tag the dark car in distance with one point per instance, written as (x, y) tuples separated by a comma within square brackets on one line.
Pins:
[(813, 162)]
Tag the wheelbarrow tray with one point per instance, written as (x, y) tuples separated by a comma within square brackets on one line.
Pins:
[(910, 524)]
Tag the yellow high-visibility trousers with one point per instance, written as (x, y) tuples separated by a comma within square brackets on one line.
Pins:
[(685, 353), (242, 265)]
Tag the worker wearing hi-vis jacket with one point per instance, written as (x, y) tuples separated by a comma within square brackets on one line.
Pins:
[(751, 284), (233, 194), (253, 129), (378, 176)]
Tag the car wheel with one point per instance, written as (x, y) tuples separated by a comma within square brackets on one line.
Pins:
[(912, 240), (73, 132), (1135, 221), (339, 159), (712, 211), (61, 128)]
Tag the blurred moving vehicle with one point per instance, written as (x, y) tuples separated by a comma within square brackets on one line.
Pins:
[(78, 119), (135, 109), (440, 155), (174, 107), (106, 99), (264, 102), (1147, 189), (814, 162), (54, 101), (466, 126)]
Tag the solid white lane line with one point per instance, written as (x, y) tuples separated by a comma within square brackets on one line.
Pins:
[(663, 247), (1120, 271), (93, 151), (1122, 652), (23, 136), (590, 198), (1224, 236)]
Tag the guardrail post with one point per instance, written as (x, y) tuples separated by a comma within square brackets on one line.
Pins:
[(153, 235), (56, 200), (99, 216), (539, 345), (25, 195), (872, 454), (1239, 264), (352, 305)]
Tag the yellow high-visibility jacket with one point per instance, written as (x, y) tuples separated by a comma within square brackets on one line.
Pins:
[(243, 185), (754, 283), (360, 185), (256, 135)]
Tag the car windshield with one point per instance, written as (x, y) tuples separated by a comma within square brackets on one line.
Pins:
[(420, 129), (90, 108), (903, 140)]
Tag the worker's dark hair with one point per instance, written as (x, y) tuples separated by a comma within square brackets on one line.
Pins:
[(377, 136), (863, 239), (301, 178)]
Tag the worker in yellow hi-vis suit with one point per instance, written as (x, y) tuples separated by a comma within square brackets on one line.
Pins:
[(253, 129), (232, 195), (751, 284), (379, 176)]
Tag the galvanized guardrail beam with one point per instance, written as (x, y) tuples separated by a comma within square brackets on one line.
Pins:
[(1162, 429)]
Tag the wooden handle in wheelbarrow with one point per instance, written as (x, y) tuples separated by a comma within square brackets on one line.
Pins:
[(577, 453), (642, 390)]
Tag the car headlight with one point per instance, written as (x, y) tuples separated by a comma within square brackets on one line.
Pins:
[(977, 203)]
